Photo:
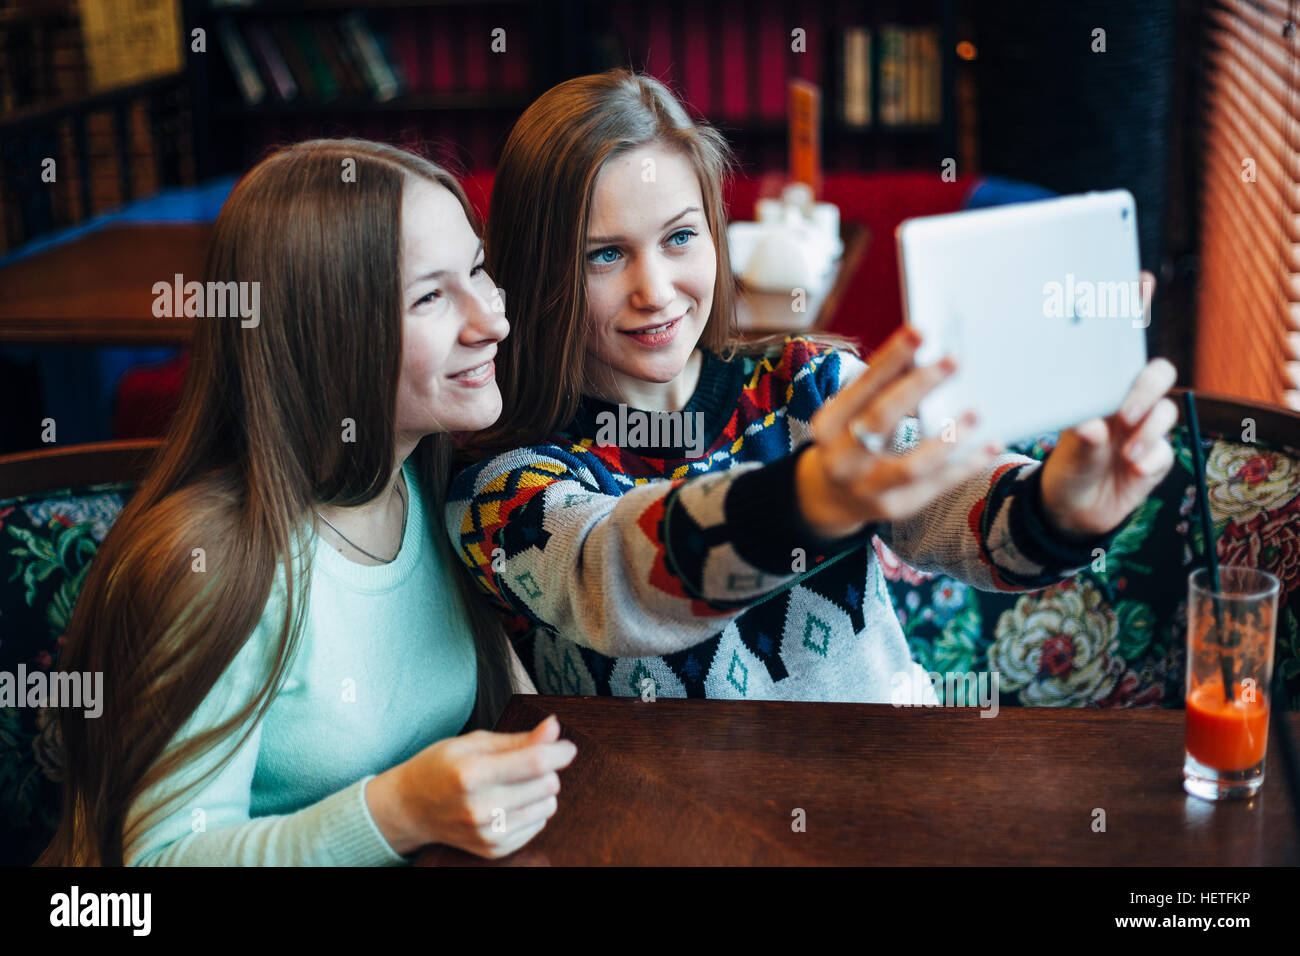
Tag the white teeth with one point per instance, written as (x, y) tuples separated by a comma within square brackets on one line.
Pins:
[(657, 328), (471, 372)]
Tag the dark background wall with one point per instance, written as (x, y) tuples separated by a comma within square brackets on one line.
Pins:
[(1054, 112)]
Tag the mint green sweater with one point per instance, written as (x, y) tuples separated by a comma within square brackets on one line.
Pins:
[(385, 668)]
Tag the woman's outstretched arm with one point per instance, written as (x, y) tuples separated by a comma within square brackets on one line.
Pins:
[(990, 531), (655, 570), (666, 564), (634, 567)]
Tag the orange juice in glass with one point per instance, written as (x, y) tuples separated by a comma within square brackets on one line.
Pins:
[(1229, 666)]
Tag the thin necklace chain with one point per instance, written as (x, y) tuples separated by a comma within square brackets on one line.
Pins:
[(373, 557)]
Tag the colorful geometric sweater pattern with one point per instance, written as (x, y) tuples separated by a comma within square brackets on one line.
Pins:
[(618, 570)]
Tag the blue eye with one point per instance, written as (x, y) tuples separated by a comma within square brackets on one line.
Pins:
[(603, 256), (478, 270), (685, 235), (436, 293)]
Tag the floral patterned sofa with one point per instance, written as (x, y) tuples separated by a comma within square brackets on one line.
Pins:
[(1110, 637), (1113, 635), (47, 539)]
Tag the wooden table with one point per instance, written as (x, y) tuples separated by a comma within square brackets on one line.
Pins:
[(98, 289), (713, 782)]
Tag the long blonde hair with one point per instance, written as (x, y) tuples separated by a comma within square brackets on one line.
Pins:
[(253, 448)]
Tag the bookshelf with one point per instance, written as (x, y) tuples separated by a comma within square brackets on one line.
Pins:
[(730, 60), (70, 149), (455, 74), (879, 137)]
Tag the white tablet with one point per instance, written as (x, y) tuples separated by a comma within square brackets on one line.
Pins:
[(1040, 303)]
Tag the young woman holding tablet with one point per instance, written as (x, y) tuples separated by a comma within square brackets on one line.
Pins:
[(744, 567), (289, 659)]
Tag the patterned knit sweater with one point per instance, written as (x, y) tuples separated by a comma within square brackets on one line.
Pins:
[(611, 565)]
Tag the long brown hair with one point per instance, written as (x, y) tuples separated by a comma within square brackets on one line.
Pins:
[(255, 445), (537, 229)]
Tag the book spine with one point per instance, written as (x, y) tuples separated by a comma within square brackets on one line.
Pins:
[(352, 57), (240, 60), (912, 44), (332, 48), (934, 76), (868, 52), (327, 85), (103, 169), (891, 75), (294, 59), (856, 78), (383, 40), (277, 71), (367, 52)]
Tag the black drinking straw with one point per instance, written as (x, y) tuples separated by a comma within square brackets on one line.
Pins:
[(1207, 534)]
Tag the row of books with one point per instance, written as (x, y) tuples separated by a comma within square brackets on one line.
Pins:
[(909, 69), (325, 59), (38, 201), (731, 60), (46, 59), (32, 72)]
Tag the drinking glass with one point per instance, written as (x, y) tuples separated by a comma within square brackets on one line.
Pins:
[(1230, 637)]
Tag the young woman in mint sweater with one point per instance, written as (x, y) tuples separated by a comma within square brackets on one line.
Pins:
[(290, 663), (742, 567)]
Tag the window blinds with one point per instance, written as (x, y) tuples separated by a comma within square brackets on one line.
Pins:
[(1248, 341)]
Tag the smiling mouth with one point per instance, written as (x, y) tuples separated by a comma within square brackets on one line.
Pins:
[(474, 372), (652, 329)]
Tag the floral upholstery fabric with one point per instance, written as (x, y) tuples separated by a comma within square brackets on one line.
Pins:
[(1114, 634), (46, 543)]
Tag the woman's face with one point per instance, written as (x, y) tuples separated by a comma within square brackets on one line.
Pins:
[(650, 268), (450, 329)]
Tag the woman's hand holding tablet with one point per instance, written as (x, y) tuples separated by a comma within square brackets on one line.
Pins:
[(841, 485), (1104, 468)]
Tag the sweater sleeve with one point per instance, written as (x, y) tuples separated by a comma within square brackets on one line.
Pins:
[(649, 572), (212, 826), (991, 531)]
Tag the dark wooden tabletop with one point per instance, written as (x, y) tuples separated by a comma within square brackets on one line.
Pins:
[(98, 289), (689, 782)]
